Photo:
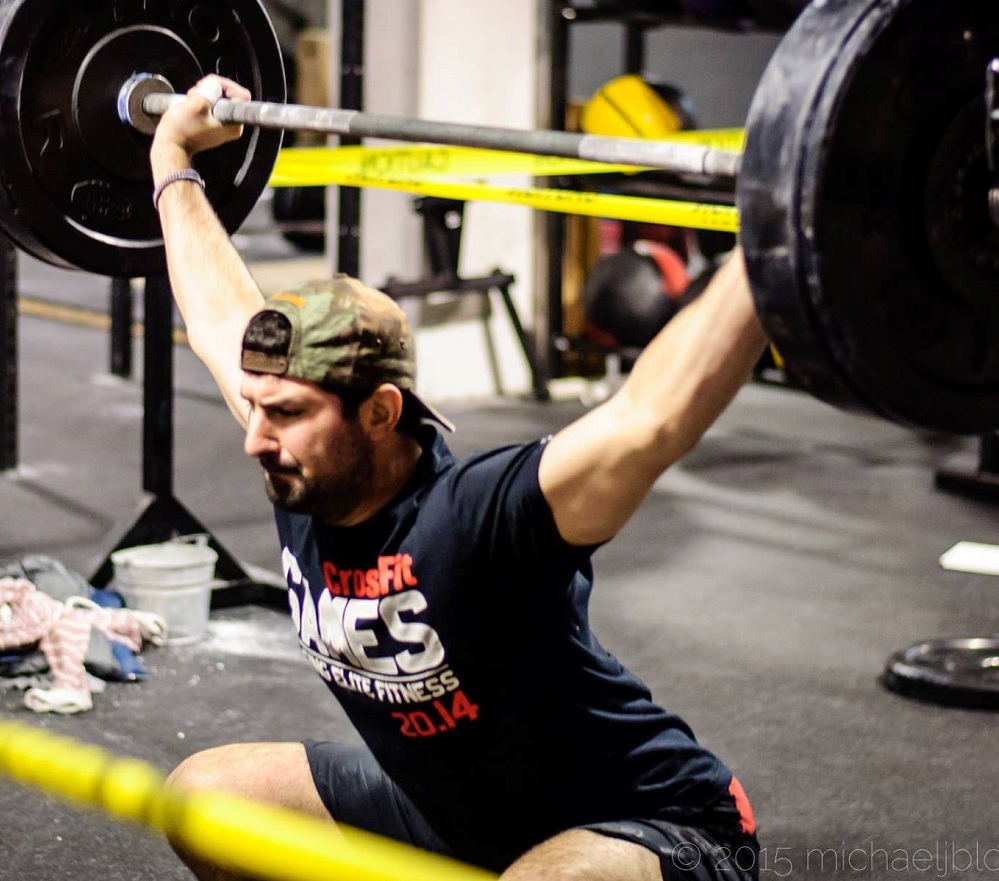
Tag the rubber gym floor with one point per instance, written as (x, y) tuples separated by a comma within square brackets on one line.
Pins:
[(759, 591)]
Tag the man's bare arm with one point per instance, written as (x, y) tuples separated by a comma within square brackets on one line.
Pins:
[(596, 472), (213, 287)]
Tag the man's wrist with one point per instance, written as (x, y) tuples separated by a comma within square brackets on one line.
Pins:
[(168, 159), (185, 174)]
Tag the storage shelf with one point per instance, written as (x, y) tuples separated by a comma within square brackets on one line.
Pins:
[(637, 19)]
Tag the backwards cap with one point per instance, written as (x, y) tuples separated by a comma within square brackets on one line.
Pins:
[(343, 334)]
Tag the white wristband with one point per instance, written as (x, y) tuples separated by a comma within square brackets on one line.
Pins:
[(184, 174)]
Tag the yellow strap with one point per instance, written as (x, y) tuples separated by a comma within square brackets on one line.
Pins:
[(691, 215), (430, 162), (429, 170), (235, 833)]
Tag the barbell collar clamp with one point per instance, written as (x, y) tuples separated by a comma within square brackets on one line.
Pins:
[(131, 100), (688, 159)]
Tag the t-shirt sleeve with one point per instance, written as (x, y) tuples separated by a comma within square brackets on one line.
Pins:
[(498, 506)]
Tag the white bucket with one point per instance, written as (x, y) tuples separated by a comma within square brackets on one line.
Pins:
[(173, 580)]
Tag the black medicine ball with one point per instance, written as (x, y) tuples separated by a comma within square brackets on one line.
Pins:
[(625, 300)]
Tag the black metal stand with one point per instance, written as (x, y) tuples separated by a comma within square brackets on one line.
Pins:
[(975, 479), (548, 354), (443, 220), (121, 327), (496, 281), (159, 515), (8, 356), (351, 98)]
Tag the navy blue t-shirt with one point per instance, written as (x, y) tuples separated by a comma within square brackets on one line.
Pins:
[(452, 627)]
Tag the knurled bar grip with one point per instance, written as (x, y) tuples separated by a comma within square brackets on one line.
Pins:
[(679, 158)]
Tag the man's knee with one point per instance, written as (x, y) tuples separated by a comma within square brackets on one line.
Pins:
[(275, 773), (216, 769)]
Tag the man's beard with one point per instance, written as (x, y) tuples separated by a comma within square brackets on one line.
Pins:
[(332, 497)]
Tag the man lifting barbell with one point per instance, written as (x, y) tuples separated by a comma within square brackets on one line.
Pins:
[(443, 602)]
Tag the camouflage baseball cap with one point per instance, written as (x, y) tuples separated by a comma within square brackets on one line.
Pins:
[(343, 334)]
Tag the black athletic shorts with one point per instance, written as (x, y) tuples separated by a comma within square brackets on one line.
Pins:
[(357, 792)]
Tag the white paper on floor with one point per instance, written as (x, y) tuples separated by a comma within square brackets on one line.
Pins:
[(972, 556)]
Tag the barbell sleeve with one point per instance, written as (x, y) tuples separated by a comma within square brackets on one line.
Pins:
[(694, 159)]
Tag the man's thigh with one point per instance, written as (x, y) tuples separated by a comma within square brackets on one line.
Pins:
[(357, 792)]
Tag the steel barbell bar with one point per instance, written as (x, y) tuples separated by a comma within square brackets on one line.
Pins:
[(144, 97)]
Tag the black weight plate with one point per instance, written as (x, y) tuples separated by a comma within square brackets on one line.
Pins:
[(776, 14), (863, 200), (959, 672), (75, 185)]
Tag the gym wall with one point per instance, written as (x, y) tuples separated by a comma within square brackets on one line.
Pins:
[(468, 61)]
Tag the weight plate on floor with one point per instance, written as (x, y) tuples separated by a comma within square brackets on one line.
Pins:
[(960, 672), (863, 200), (76, 186)]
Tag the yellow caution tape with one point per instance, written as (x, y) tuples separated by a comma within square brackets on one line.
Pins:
[(777, 357), (438, 171), (235, 833), (424, 162), (690, 215)]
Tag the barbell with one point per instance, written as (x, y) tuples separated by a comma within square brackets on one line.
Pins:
[(145, 96), (862, 189)]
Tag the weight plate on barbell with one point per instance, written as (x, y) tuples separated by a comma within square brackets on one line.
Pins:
[(76, 186), (863, 201)]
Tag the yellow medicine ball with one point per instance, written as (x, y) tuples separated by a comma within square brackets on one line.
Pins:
[(628, 107)]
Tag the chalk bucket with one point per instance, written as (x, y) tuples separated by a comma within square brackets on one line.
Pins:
[(172, 579)]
